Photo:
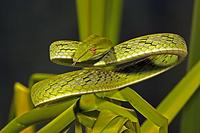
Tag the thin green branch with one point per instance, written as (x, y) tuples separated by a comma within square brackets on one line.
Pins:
[(177, 98), (101, 124), (60, 122), (98, 16), (36, 115), (194, 54), (113, 19), (84, 18), (191, 117), (78, 127)]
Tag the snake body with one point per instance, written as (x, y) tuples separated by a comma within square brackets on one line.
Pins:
[(131, 61)]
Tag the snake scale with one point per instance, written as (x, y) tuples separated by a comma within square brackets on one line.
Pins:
[(119, 66)]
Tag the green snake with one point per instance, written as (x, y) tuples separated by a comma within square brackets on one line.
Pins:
[(107, 67)]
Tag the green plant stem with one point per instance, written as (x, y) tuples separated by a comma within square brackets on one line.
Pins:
[(115, 125), (145, 109), (97, 17), (113, 19), (177, 98), (85, 120), (60, 122), (194, 54), (78, 128), (101, 124), (84, 18), (190, 116), (36, 115)]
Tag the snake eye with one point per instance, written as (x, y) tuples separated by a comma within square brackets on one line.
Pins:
[(93, 50)]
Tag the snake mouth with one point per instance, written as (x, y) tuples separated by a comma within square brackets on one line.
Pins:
[(75, 59), (74, 63)]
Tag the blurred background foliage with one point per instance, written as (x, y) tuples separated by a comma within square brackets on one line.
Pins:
[(28, 28)]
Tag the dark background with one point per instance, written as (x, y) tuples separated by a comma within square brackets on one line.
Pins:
[(29, 26)]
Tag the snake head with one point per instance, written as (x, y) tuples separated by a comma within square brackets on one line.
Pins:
[(94, 47)]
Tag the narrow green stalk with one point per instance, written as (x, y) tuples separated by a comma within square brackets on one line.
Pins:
[(78, 128), (98, 16), (84, 18), (113, 19), (85, 120), (190, 116), (194, 54), (36, 115), (115, 125), (22, 103), (60, 122), (177, 98), (100, 124)]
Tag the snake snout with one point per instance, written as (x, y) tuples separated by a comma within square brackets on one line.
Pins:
[(74, 63)]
